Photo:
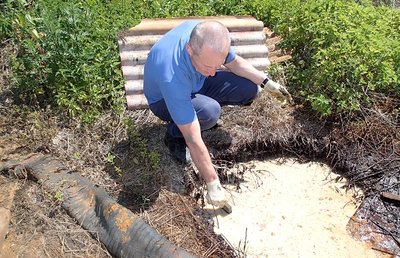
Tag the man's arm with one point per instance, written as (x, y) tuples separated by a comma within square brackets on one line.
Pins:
[(198, 150), (243, 68), (201, 158)]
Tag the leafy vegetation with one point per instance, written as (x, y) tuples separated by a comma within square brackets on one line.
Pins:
[(343, 52), (146, 158), (67, 53)]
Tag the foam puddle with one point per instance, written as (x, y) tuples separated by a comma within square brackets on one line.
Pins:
[(290, 210)]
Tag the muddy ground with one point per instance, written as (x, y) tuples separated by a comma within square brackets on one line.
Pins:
[(365, 149)]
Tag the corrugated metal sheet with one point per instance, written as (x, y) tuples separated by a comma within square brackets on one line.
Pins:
[(248, 40)]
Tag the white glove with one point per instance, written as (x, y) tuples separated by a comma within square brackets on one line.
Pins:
[(278, 91), (216, 194)]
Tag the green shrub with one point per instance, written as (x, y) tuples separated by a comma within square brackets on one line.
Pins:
[(147, 158), (342, 51), (5, 22), (67, 50), (68, 55)]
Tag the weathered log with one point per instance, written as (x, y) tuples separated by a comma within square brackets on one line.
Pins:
[(122, 232)]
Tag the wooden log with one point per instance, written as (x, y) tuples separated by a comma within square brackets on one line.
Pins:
[(391, 196)]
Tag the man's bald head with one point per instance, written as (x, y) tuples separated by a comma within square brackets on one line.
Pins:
[(212, 33)]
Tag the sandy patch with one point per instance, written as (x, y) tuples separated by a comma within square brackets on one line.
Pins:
[(291, 210)]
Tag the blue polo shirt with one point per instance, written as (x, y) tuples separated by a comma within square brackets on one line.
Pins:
[(170, 75)]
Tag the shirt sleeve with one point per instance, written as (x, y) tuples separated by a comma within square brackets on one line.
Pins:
[(231, 56), (179, 102)]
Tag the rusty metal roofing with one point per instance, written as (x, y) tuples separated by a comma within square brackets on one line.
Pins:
[(248, 41)]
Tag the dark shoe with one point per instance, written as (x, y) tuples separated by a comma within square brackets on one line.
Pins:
[(218, 124), (178, 149)]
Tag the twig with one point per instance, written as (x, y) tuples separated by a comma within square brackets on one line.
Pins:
[(187, 208), (30, 239), (386, 232), (245, 241), (210, 250), (5, 41), (391, 196)]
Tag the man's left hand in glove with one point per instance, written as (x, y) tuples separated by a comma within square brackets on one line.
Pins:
[(277, 90)]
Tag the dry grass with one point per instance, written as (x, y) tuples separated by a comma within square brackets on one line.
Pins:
[(169, 198)]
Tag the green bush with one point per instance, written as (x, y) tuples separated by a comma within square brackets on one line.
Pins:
[(342, 51), (67, 53), (67, 50), (5, 22)]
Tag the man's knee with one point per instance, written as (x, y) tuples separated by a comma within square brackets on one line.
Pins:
[(209, 115), (250, 94), (160, 110)]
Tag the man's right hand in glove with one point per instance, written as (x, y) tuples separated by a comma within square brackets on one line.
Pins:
[(216, 194), (277, 90)]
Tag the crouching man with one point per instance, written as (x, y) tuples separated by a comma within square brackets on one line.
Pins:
[(185, 86)]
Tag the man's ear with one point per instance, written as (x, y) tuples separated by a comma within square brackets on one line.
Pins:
[(189, 49)]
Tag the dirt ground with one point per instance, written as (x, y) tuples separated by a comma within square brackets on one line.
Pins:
[(40, 227), (169, 198), (284, 208)]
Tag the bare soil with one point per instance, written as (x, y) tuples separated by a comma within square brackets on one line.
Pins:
[(364, 149), (284, 208)]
